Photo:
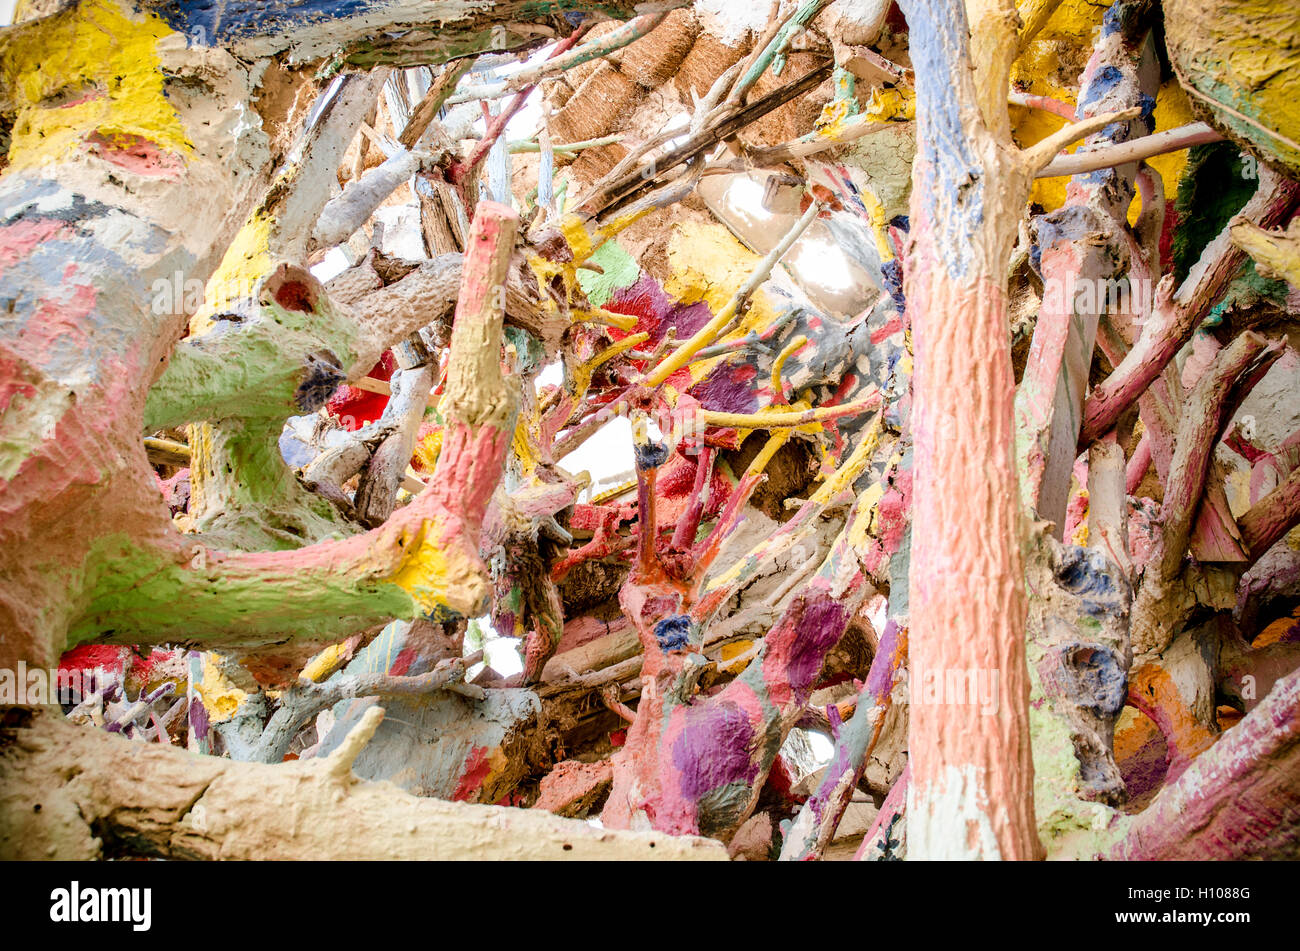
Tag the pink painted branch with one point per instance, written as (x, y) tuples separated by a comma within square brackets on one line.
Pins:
[(815, 825), (1163, 335), (728, 518), (1201, 427), (970, 772), (1174, 317), (1056, 373), (1271, 517), (700, 766), (1138, 465), (1260, 668), (1045, 103), (886, 835), (1238, 800)]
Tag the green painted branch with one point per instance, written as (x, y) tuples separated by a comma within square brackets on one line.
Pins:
[(422, 560)]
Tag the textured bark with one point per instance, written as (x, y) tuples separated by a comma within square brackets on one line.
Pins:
[(971, 790), (164, 802), (1238, 800), (67, 200)]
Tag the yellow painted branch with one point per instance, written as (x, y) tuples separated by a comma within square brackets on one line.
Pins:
[(778, 420), (714, 328)]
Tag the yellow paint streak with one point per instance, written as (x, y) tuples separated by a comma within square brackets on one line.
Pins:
[(598, 315), (772, 417), (522, 443), (575, 233), (325, 663), (427, 450), (199, 436), (735, 651), (847, 474), (879, 224), (779, 364), (600, 498), (1037, 71), (866, 517), (709, 264), (774, 442), (889, 105), (1074, 24), (246, 261), (221, 698), (88, 69), (429, 571)]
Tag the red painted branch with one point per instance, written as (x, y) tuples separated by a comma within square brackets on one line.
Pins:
[(1174, 318), (497, 126), (684, 536), (1138, 465), (1164, 334)]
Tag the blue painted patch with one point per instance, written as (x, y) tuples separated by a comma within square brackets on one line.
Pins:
[(673, 633), (1100, 679), (321, 377), (1102, 82), (950, 172), (892, 273), (1112, 21), (214, 22), (1148, 106), (650, 456), (1087, 574)]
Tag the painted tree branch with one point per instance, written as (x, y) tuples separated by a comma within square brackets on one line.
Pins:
[(971, 790), (1163, 601), (1122, 153), (422, 559), (815, 825), (303, 701), (1078, 253), (1236, 801), (1175, 316), (1265, 522), (168, 803)]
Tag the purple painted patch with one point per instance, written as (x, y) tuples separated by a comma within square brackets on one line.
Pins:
[(728, 389), (880, 679), (714, 749), (656, 311), (816, 628), (198, 718)]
